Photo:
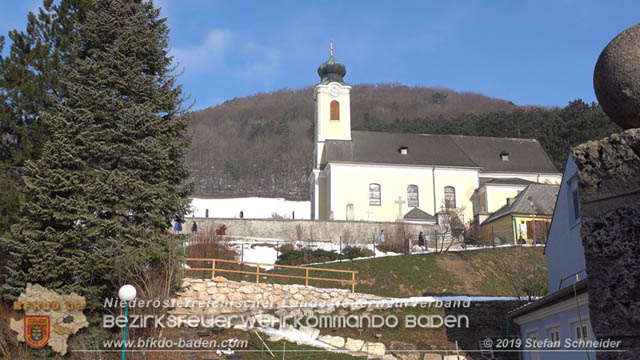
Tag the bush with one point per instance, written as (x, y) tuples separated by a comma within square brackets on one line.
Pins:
[(392, 245), (352, 252), (206, 244), (305, 256)]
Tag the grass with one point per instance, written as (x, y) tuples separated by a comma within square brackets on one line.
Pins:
[(478, 272), (292, 351)]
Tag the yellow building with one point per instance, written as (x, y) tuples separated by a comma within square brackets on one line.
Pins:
[(377, 176), (523, 218)]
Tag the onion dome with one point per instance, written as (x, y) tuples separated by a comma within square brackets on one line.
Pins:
[(331, 70)]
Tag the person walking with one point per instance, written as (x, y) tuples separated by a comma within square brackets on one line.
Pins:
[(194, 227), (422, 241), (380, 238)]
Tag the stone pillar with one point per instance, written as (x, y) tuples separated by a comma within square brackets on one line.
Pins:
[(609, 188)]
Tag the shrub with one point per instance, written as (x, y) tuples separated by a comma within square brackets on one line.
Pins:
[(352, 252), (306, 256), (206, 244)]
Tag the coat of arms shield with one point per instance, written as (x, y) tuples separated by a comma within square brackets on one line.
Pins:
[(36, 330)]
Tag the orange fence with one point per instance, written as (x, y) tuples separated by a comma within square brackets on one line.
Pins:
[(257, 273)]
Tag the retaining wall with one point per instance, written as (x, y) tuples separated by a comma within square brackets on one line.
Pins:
[(315, 230)]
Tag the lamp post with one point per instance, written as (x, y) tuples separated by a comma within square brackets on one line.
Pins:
[(126, 294)]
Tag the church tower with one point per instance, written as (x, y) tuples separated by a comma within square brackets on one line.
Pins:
[(333, 110), (331, 98)]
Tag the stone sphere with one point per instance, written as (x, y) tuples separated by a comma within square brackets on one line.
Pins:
[(616, 78)]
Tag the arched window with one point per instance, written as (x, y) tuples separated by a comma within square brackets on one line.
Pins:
[(450, 197), (335, 110), (374, 195), (412, 196)]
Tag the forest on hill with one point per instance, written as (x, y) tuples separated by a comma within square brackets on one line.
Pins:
[(262, 145)]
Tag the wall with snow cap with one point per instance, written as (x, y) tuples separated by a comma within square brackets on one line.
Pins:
[(352, 232)]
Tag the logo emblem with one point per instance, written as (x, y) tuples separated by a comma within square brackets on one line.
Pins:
[(36, 330)]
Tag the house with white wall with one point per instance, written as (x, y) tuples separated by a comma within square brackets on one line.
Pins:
[(559, 322)]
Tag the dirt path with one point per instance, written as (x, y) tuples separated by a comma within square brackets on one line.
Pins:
[(459, 267)]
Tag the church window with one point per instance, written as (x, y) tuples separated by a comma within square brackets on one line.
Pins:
[(374, 195), (335, 110), (412, 196), (450, 197)]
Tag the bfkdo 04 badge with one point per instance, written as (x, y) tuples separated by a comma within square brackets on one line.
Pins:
[(36, 330)]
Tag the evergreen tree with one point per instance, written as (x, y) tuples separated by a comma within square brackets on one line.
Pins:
[(111, 177), (28, 74)]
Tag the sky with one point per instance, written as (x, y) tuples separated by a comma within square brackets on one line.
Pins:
[(529, 52)]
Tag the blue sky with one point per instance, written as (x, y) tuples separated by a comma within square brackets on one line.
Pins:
[(528, 52)]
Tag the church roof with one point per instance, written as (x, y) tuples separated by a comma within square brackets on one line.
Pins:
[(419, 215), (383, 148), (543, 197), (332, 71), (505, 181), (524, 155)]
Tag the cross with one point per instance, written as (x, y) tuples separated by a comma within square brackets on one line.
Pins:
[(399, 202), (331, 47)]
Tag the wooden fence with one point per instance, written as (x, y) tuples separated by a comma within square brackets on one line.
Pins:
[(257, 273)]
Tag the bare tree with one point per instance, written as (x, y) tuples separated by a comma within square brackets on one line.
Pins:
[(525, 277), (451, 226)]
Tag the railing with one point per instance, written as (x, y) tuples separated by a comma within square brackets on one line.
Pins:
[(574, 275), (257, 273)]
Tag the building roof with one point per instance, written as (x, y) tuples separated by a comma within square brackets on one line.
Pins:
[(562, 294), (418, 215), (543, 197), (505, 181), (525, 155), (384, 148)]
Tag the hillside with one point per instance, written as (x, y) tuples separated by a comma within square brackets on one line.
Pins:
[(262, 145), (486, 272)]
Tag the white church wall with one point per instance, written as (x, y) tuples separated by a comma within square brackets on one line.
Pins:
[(354, 180), (465, 181), (496, 196)]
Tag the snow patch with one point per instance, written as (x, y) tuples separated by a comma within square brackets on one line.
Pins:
[(252, 208)]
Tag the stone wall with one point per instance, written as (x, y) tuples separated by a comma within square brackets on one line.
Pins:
[(259, 298), (609, 186), (315, 230), (260, 302), (267, 304), (488, 319)]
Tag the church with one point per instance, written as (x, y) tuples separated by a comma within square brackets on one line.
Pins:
[(378, 176)]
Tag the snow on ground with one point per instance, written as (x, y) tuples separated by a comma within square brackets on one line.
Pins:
[(296, 336), (252, 207), (410, 301), (263, 250)]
